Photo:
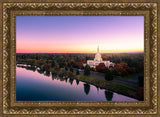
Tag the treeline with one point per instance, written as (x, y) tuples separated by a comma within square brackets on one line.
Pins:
[(124, 63)]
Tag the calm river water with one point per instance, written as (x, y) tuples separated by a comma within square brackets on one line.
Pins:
[(35, 86)]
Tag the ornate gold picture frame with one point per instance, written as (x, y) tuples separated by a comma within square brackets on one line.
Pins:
[(10, 9)]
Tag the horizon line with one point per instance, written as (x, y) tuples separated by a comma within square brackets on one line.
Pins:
[(73, 53)]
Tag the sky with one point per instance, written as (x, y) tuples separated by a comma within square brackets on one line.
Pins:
[(79, 34)]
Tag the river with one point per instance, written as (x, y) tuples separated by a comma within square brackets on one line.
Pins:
[(32, 85)]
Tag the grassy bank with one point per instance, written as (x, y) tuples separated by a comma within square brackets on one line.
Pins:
[(109, 85)]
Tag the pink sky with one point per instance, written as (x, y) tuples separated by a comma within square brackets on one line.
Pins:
[(79, 34)]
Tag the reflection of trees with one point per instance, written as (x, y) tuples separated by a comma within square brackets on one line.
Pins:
[(40, 71), (61, 78), (47, 73), (71, 81), (77, 81), (108, 95), (28, 68), (54, 76), (97, 88), (86, 88), (60, 75), (66, 79)]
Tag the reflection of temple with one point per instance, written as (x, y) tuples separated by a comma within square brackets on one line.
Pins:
[(98, 59)]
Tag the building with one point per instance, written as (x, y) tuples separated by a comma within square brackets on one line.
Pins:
[(97, 60)]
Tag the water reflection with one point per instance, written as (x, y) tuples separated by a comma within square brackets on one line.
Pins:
[(66, 79), (54, 76), (86, 88), (61, 78), (77, 81), (40, 71), (71, 81), (27, 67), (97, 88), (47, 73), (31, 68), (108, 95), (53, 88)]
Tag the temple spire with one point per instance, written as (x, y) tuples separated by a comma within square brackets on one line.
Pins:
[(98, 49)]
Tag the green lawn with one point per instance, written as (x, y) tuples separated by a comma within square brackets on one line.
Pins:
[(88, 78), (99, 81)]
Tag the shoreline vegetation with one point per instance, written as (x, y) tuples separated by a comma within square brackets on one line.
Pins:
[(118, 79)]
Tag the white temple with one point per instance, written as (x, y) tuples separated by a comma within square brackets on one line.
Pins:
[(98, 59)]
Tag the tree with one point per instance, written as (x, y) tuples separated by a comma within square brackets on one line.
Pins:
[(53, 63), (141, 81), (77, 72), (108, 75), (39, 63), (66, 68), (104, 57), (70, 74), (87, 70), (31, 62), (61, 64), (101, 67), (46, 67), (71, 69), (78, 65), (72, 62), (62, 70), (122, 69), (140, 90), (47, 61), (37, 57)]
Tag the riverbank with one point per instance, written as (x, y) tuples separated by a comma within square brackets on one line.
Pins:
[(108, 85)]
